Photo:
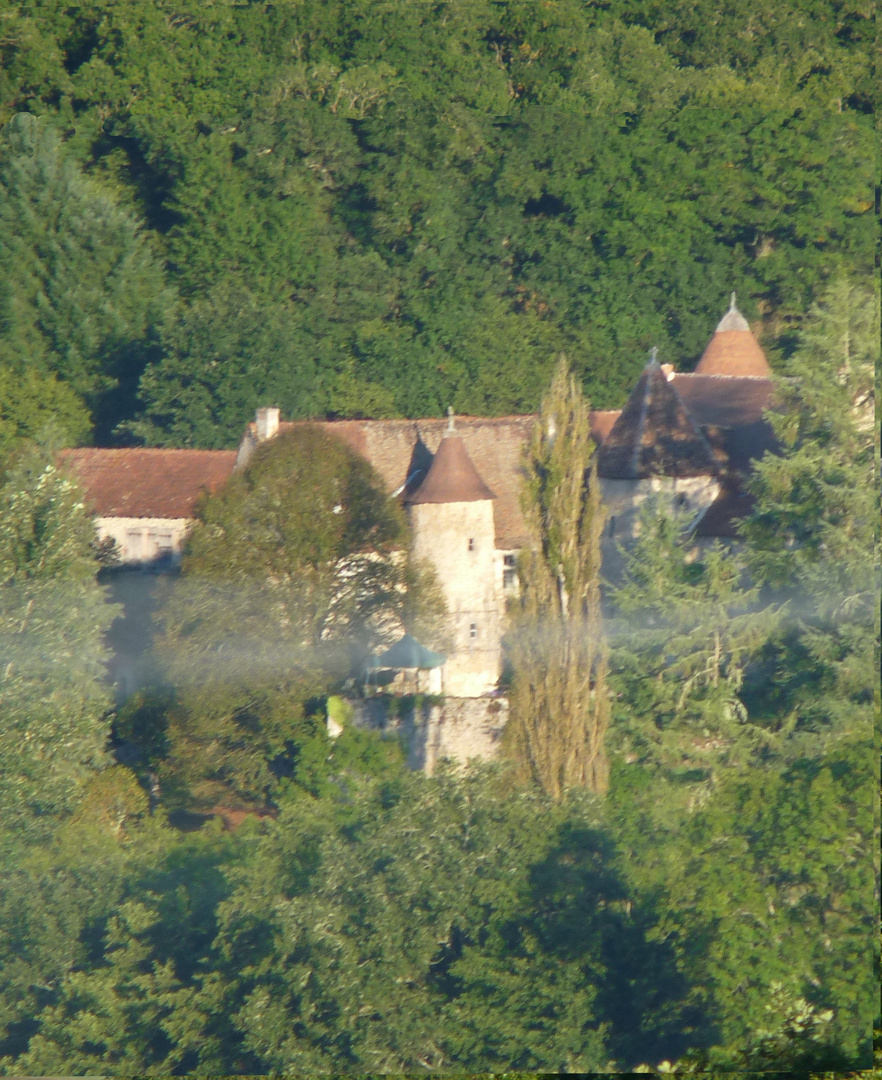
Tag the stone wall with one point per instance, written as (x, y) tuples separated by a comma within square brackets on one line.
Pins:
[(457, 539), (691, 495), (458, 729), (144, 540)]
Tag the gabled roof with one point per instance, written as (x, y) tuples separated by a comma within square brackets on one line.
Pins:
[(733, 350), (452, 476), (655, 435), (147, 483)]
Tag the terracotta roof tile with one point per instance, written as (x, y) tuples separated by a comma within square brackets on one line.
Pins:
[(733, 350), (452, 476), (141, 483)]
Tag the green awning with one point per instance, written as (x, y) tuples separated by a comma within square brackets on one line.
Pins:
[(408, 653)]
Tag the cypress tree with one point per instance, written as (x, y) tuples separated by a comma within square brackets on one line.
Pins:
[(559, 700)]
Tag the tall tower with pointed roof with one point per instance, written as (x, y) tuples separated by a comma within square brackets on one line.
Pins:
[(733, 349), (653, 449), (451, 516)]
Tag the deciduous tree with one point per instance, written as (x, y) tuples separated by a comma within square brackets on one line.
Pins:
[(53, 615), (294, 572)]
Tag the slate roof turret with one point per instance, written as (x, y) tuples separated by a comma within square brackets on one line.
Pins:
[(733, 350), (654, 434), (452, 476)]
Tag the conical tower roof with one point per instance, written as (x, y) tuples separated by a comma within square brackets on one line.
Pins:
[(733, 350), (452, 476), (654, 434)]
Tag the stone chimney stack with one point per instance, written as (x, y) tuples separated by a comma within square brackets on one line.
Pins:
[(267, 424)]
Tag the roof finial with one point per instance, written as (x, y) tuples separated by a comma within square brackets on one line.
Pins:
[(732, 303), (450, 426), (653, 354)]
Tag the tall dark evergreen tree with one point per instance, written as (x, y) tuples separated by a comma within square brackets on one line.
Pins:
[(684, 631), (812, 537)]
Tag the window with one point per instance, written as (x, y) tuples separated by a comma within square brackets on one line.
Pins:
[(509, 572), (134, 549), (473, 631), (164, 548), (471, 543)]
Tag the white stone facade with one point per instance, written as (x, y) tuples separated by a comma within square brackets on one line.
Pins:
[(144, 540), (457, 540)]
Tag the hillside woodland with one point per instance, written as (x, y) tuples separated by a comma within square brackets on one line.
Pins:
[(382, 209), (352, 208)]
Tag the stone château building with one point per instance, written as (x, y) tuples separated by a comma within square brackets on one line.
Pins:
[(690, 438)]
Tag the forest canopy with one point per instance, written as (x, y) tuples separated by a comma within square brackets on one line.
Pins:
[(352, 208), (382, 209)]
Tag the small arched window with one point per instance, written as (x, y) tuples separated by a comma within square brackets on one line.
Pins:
[(471, 543)]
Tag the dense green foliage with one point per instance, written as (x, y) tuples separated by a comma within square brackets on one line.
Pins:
[(560, 703), (812, 540), (453, 923), (364, 208), (293, 573), (82, 291), (53, 697), (684, 631)]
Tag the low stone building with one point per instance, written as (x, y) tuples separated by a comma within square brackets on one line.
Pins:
[(144, 500)]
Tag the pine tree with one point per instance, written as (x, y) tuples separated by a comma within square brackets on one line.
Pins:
[(685, 627), (812, 535), (559, 702)]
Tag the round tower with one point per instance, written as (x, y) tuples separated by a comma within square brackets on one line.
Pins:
[(733, 350), (451, 515)]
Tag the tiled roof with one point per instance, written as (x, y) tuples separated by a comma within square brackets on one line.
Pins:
[(723, 515), (148, 483), (452, 476), (402, 452), (733, 350), (723, 401), (602, 423), (729, 411), (655, 435)]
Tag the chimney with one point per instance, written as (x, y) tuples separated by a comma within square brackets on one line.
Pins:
[(668, 369), (267, 424)]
